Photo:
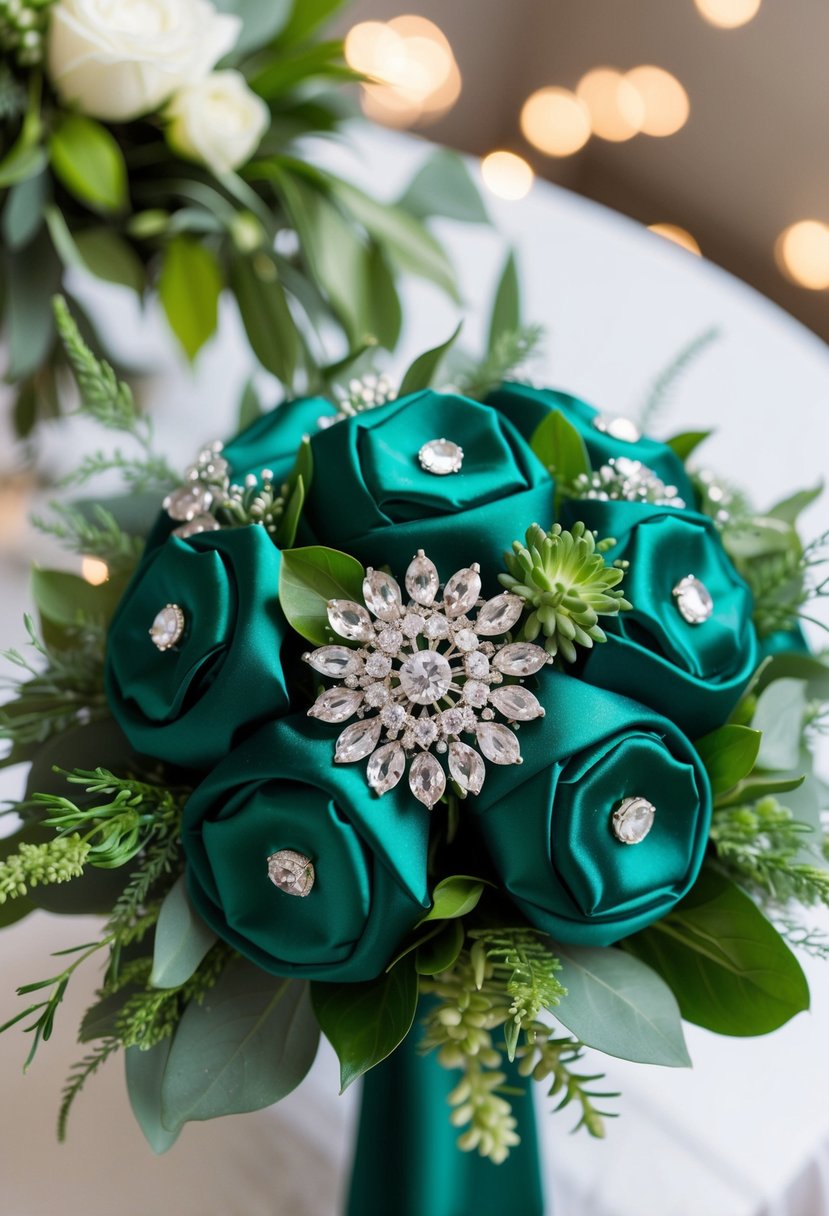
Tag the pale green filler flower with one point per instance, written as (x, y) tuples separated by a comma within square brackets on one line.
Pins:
[(58, 860), (23, 29)]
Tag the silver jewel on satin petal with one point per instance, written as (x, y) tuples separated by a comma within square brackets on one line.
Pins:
[(427, 780), (440, 456), (520, 659), (617, 427), (499, 615), (336, 705), (168, 627), (385, 768), (466, 767), (632, 820), (291, 872), (517, 704), (460, 595), (693, 599), (422, 582)]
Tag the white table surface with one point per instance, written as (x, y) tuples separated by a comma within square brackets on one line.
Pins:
[(745, 1133)]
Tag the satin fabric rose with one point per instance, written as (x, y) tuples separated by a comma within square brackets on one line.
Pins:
[(217, 121), (693, 673), (280, 790), (370, 496), (272, 441), (527, 407), (120, 59), (548, 825), (190, 704)]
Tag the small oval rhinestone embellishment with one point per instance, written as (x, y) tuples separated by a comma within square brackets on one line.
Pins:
[(440, 456), (617, 428), (168, 627), (291, 872), (693, 599), (633, 819)]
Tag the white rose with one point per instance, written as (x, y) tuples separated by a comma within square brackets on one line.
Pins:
[(119, 59), (217, 121)]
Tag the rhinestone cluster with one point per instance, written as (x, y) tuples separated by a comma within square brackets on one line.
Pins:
[(365, 393), (630, 480), (209, 500), (423, 674)]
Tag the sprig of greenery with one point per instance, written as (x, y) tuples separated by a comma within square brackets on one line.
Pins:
[(93, 534), (545, 1057), (667, 380), (520, 960), (510, 352), (760, 844), (79, 1074), (32, 865), (103, 396), (137, 472)]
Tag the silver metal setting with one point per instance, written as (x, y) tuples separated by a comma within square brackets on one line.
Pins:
[(632, 820), (441, 456), (168, 627), (693, 599), (291, 872)]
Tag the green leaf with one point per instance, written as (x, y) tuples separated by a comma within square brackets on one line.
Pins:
[(308, 579), (33, 276), (788, 509), (385, 317), (260, 21), (265, 313), (144, 1073), (111, 258), (756, 787), (364, 1023), (506, 308), (453, 897), (797, 666), (686, 442), (250, 406), (619, 1006), (440, 952), (249, 1043), (23, 212), (189, 287), (444, 186), (68, 600), (728, 967), (422, 372), (307, 15), (23, 161), (729, 754), (298, 66), (780, 715), (560, 447), (88, 161), (759, 536), (182, 939), (299, 480)]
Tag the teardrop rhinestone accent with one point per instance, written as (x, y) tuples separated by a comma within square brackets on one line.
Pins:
[(350, 620), (291, 872), (461, 592), (693, 599), (516, 703), (335, 661), (427, 780), (466, 767), (422, 582), (382, 595), (520, 659), (357, 741), (498, 743), (168, 627), (499, 615), (385, 768), (336, 705)]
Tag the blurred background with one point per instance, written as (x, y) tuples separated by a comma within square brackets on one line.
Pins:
[(702, 119)]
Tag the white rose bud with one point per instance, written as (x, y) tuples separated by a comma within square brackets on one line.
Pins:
[(119, 59), (217, 121)]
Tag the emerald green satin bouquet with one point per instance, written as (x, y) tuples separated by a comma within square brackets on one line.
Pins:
[(468, 729)]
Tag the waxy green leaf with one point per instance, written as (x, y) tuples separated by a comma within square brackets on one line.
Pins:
[(308, 579), (729, 754), (88, 161), (560, 447), (189, 287), (144, 1072), (423, 370), (454, 896), (182, 939)]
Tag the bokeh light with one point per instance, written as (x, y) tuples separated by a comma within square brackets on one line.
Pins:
[(802, 253), (555, 121), (94, 571), (507, 175), (728, 14), (679, 236), (665, 102), (415, 78), (617, 111)]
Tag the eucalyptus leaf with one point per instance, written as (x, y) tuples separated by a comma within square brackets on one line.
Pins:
[(250, 406), (261, 22), (23, 212), (23, 161), (440, 953), (423, 370), (364, 1023), (443, 186), (33, 276), (729, 754), (144, 1073), (454, 896), (759, 536), (385, 319), (798, 666), (265, 313), (189, 287), (788, 509), (506, 308), (620, 1006), (727, 966), (182, 939), (780, 715), (246, 1045), (307, 15), (88, 161), (687, 442), (308, 579), (560, 447), (109, 257)]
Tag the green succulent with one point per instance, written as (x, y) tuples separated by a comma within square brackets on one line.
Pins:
[(567, 584)]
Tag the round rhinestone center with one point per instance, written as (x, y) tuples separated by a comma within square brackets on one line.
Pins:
[(633, 819), (425, 677), (441, 456)]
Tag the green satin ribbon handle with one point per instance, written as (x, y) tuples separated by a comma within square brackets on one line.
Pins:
[(407, 1162)]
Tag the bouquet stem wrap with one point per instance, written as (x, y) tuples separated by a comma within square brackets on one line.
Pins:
[(406, 1159)]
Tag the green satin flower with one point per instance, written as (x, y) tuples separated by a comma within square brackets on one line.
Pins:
[(189, 704), (370, 497), (280, 790), (272, 441), (526, 407), (692, 673), (548, 827)]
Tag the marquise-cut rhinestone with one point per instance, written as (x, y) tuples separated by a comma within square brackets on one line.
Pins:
[(291, 872), (520, 659), (466, 767), (337, 662), (425, 677), (358, 741), (427, 779), (499, 615), (385, 768), (633, 819), (694, 600), (336, 705), (516, 703), (498, 743), (441, 457), (460, 595), (168, 627), (350, 620), (381, 594), (422, 582)]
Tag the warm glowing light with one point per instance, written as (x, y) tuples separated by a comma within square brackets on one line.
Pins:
[(507, 175), (94, 571), (556, 121), (803, 254), (679, 236), (617, 110), (414, 74), (665, 102), (728, 14)]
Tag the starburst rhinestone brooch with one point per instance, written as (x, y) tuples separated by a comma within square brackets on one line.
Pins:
[(422, 675)]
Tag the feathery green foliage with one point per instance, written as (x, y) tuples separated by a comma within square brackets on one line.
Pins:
[(103, 396), (545, 1057), (509, 354), (761, 846), (93, 534), (521, 961), (34, 865), (667, 380)]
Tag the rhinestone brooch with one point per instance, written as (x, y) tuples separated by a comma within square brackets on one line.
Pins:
[(617, 428), (632, 820), (291, 872), (693, 599), (423, 674), (168, 627), (441, 456)]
